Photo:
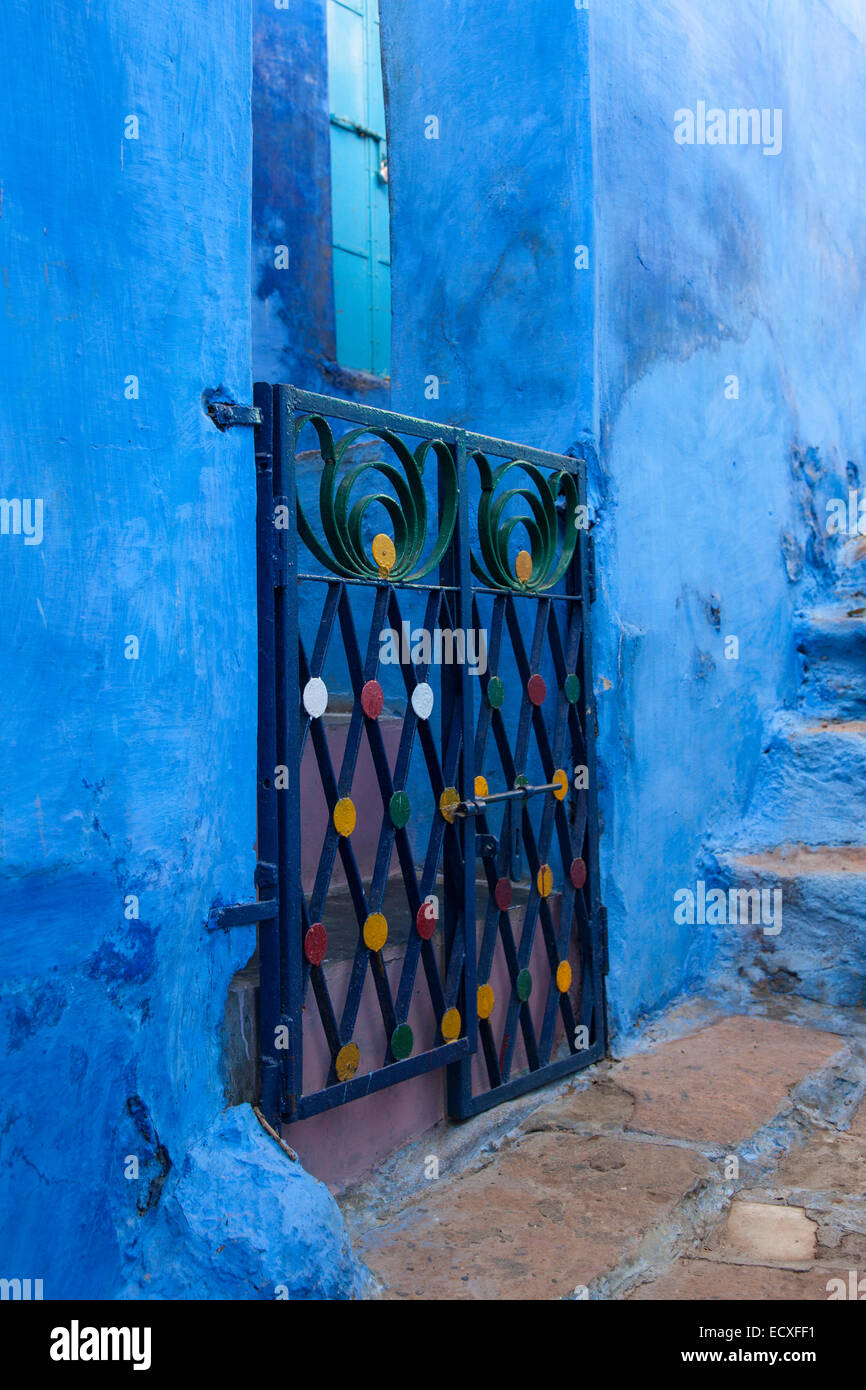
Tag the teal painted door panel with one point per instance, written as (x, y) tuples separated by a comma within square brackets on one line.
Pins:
[(350, 180), (354, 317), (347, 62), (360, 212)]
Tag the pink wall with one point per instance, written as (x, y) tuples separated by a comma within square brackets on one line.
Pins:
[(341, 1145)]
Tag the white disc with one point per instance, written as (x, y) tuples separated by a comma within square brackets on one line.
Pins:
[(315, 697), (422, 700)]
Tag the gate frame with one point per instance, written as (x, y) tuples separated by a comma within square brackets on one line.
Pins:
[(278, 873)]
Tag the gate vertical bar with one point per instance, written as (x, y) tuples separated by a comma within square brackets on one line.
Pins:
[(288, 746), (597, 911), (266, 802), (467, 756), (460, 896)]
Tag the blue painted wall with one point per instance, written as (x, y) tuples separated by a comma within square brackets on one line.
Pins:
[(486, 217), (713, 261), (130, 257)]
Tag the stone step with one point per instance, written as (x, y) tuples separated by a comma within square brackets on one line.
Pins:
[(832, 641), (811, 785), (605, 1185), (833, 627), (802, 931)]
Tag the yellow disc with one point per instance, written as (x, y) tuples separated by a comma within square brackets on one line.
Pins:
[(450, 1024), (384, 553), (545, 880), (561, 780), (344, 816), (347, 1060), (447, 801), (486, 1000), (375, 931), (523, 566), (563, 976), (481, 787)]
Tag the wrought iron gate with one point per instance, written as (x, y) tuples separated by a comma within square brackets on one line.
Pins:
[(426, 792)]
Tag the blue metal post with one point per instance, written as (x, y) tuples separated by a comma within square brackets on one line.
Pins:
[(288, 746), (598, 915), (468, 687), (266, 804)]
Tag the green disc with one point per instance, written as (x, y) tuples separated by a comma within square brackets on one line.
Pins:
[(572, 689), (399, 809), (521, 781), (495, 692), (524, 986), (402, 1042)]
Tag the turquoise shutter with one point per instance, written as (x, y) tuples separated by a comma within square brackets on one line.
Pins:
[(359, 192)]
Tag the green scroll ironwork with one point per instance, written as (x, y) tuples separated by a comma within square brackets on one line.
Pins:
[(342, 518), (541, 525)]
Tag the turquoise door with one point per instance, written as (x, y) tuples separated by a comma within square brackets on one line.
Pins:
[(359, 187)]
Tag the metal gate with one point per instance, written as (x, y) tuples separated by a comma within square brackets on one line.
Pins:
[(426, 787)]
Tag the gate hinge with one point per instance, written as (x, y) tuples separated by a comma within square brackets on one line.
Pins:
[(605, 955), (241, 915), (226, 414), (249, 913), (265, 879)]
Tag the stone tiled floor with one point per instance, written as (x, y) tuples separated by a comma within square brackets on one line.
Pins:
[(716, 1165)]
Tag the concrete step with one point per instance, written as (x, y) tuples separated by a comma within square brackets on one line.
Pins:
[(836, 627), (811, 785), (811, 939), (832, 641), (618, 1179)]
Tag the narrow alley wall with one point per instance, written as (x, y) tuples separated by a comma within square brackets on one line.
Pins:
[(129, 661), (730, 333)]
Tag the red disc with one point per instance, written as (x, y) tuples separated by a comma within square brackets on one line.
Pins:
[(536, 689), (502, 894), (578, 873), (425, 921), (372, 699), (316, 944)]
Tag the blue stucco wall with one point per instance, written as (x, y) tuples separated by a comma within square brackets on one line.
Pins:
[(713, 261), (130, 257), (485, 219), (294, 336)]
